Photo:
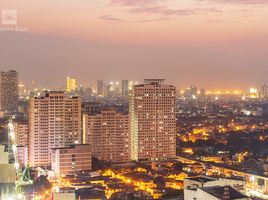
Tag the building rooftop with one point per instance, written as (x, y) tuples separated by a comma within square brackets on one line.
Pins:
[(220, 192), (55, 93), (154, 81), (202, 179), (72, 146), (92, 193)]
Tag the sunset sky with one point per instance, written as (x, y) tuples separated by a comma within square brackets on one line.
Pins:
[(209, 43)]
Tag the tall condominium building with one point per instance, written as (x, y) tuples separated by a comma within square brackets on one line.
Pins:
[(153, 120), (54, 121), (9, 91), (109, 136), (125, 88), (100, 88), (71, 85)]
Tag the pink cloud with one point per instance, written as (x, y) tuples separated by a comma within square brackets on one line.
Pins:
[(242, 1), (134, 2), (110, 18), (150, 7), (161, 10), (154, 20)]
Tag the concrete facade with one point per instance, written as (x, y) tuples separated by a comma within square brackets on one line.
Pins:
[(54, 121), (71, 160), (153, 120)]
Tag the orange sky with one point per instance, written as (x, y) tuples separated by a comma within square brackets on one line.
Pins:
[(144, 21), (210, 37)]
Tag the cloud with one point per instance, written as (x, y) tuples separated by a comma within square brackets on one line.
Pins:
[(153, 20), (157, 10), (248, 2), (162, 10), (148, 7), (155, 2), (110, 18), (159, 7), (134, 2)]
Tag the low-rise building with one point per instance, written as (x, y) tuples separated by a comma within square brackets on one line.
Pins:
[(216, 159), (22, 133), (173, 184), (4, 155), (193, 185), (7, 173), (216, 193), (178, 176), (64, 194), (71, 160), (197, 168), (22, 152)]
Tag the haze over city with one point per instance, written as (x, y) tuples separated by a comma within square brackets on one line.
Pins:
[(213, 44), (133, 100)]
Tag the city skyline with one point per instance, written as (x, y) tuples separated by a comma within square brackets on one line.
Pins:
[(119, 86), (222, 42), (133, 99)]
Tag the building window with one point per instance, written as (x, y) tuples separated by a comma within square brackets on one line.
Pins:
[(73, 158)]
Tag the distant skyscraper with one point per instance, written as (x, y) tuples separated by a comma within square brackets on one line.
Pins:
[(9, 91), (125, 88), (264, 91), (131, 84), (71, 85), (109, 89), (202, 96), (179, 93), (112, 89), (109, 135), (187, 93), (116, 88), (100, 88), (87, 94), (253, 93), (54, 121), (22, 91), (193, 92), (153, 120)]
